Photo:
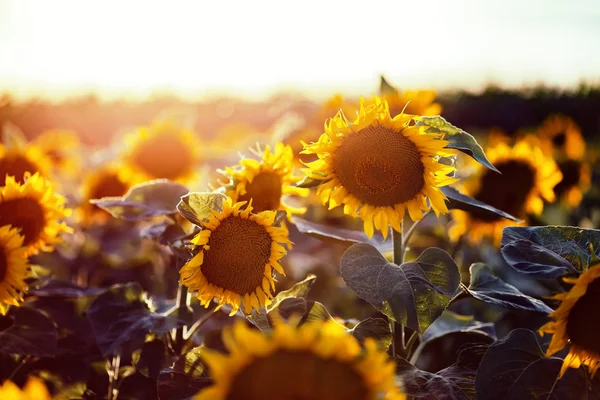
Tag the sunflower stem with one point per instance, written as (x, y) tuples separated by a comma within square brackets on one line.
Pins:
[(398, 259), (183, 311), (406, 237), (189, 333)]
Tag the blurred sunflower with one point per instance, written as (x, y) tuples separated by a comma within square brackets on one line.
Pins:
[(34, 389), (104, 181), (414, 102), (317, 360), (577, 179), (574, 322), (61, 147), (162, 150), (561, 135), (378, 167), (16, 160), (14, 268), (238, 252), (527, 177), (35, 209), (266, 181)]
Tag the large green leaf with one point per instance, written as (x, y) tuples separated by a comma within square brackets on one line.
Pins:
[(152, 358), (414, 294), (546, 252), (450, 322), (459, 139), (145, 200), (459, 201), (198, 206), (377, 329), (27, 332)]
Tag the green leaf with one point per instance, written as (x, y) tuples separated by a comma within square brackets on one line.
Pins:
[(487, 287), (308, 182), (450, 322), (459, 201), (146, 200), (374, 328), (547, 252), (191, 363), (299, 289), (27, 332), (152, 358), (177, 385), (459, 139), (414, 294), (198, 206), (515, 368)]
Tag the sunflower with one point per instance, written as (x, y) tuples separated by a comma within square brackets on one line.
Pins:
[(105, 181), (34, 389), (379, 167), (14, 267), (317, 360), (575, 322), (16, 160), (414, 102), (35, 209), (527, 177), (266, 181), (238, 252), (561, 135), (577, 179), (61, 147), (162, 150)]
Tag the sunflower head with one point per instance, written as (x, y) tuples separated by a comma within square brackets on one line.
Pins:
[(378, 167), (61, 147), (162, 150), (35, 210), (267, 181), (238, 254), (14, 267), (317, 360), (106, 181), (34, 389), (527, 177), (576, 322), (577, 179), (413, 102), (16, 160), (561, 137)]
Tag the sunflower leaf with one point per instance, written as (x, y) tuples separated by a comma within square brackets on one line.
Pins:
[(459, 139), (151, 358), (198, 206), (26, 331), (487, 287), (145, 200), (308, 182), (374, 328), (450, 321), (547, 252), (299, 289), (173, 384), (459, 201), (516, 368), (414, 294)]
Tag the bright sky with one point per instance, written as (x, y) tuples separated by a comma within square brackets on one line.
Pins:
[(64, 47)]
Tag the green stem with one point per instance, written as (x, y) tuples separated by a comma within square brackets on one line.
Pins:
[(189, 333), (398, 259), (183, 311), (409, 233)]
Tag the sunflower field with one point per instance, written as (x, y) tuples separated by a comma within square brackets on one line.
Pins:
[(363, 248)]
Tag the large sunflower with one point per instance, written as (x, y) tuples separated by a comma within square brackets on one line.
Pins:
[(104, 181), (575, 322), (16, 160), (162, 150), (61, 147), (35, 209), (266, 181), (378, 167), (14, 267), (238, 252), (527, 177), (34, 389), (561, 135), (317, 360)]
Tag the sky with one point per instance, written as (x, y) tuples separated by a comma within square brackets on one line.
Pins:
[(255, 48)]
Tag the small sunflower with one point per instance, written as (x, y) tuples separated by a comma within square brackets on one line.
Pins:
[(527, 177), (61, 147), (378, 167), (162, 150), (17, 160), (266, 181), (104, 181), (561, 135), (238, 252), (577, 179), (14, 268), (414, 102), (35, 209), (317, 360), (575, 322), (34, 389)]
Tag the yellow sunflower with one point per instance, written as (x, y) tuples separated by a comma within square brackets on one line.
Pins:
[(378, 167), (574, 322), (238, 252), (16, 160), (577, 180), (317, 360), (527, 177), (105, 181), (162, 150), (61, 147), (414, 102), (266, 181), (34, 389), (14, 268), (35, 209), (561, 135)]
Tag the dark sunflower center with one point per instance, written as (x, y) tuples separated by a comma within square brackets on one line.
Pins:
[(507, 191), (379, 166), (164, 156), (583, 322), (16, 166), (25, 214), (239, 250), (571, 171), (108, 185), (265, 192), (3, 265), (297, 375), (559, 139)]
